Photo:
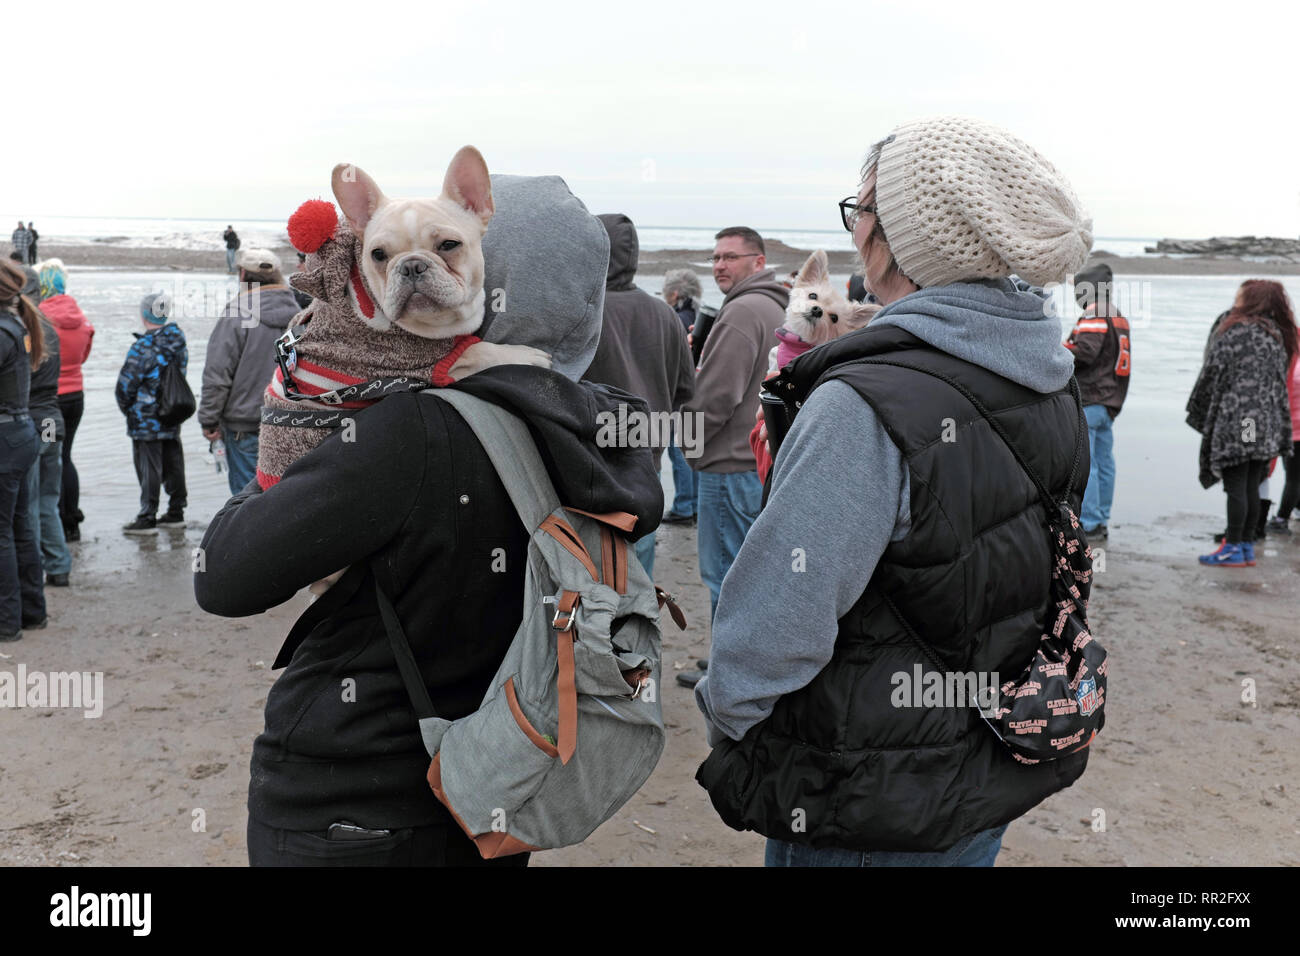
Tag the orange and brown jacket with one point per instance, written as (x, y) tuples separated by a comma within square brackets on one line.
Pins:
[(1102, 347)]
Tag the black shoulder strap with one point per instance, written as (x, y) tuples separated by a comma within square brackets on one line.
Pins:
[(1048, 501), (404, 656)]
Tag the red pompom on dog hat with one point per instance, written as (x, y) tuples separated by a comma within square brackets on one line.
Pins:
[(316, 229), (312, 224)]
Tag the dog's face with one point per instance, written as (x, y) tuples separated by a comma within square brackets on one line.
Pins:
[(423, 258), (818, 312)]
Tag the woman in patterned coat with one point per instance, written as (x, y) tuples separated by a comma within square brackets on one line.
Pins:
[(1240, 407)]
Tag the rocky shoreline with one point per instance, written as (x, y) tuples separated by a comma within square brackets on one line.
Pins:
[(1269, 248)]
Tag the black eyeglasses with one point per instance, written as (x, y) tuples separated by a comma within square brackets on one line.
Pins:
[(851, 212)]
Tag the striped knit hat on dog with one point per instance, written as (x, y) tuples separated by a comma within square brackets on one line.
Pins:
[(960, 200)]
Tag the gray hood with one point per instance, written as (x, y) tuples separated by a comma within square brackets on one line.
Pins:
[(546, 258), (1008, 328)]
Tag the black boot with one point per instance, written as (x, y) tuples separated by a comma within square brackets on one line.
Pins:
[(1265, 506)]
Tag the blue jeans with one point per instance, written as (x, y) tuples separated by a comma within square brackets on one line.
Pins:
[(230, 259), (44, 486), (645, 553), (976, 849), (22, 588), (241, 458), (728, 506), (685, 483), (1101, 476)]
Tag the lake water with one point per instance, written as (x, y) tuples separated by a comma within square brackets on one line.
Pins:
[(205, 234), (1156, 453)]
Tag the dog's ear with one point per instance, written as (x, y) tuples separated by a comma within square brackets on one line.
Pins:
[(358, 195), (816, 271), (861, 314), (467, 183)]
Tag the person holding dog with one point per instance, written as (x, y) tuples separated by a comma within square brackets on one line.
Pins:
[(895, 509), (338, 779), (732, 367)]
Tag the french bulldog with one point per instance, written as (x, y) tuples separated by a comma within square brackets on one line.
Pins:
[(423, 258), (397, 295)]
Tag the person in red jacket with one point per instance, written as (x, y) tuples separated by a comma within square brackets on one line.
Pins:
[(75, 335), (1102, 347)]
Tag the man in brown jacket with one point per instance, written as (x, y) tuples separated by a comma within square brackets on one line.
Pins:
[(732, 368)]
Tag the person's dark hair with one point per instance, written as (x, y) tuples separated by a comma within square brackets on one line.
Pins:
[(16, 256), (751, 238), (1265, 299), (1093, 285)]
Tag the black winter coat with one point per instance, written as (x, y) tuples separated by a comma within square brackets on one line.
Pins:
[(416, 494)]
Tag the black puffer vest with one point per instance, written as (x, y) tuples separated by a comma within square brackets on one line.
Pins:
[(837, 764)]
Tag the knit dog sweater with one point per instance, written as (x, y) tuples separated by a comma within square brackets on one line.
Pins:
[(345, 340)]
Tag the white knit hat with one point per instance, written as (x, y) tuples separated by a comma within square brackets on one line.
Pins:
[(959, 200)]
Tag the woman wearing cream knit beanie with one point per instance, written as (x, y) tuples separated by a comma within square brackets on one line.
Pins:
[(930, 534), (960, 200)]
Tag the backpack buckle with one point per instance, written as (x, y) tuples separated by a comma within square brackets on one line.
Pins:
[(562, 620)]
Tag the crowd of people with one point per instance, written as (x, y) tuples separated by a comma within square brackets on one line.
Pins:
[(41, 403), (868, 526)]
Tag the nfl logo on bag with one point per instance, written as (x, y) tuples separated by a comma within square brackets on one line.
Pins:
[(1087, 695)]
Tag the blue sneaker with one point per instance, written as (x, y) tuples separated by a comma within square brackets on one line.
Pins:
[(1228, 556), (1248, 552)]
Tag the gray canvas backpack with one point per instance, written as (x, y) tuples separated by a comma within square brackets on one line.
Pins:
[(571, 724)]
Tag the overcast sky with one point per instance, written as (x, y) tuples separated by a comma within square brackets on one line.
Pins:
[(702, 114)]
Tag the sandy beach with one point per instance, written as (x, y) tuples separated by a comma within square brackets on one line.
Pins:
[(1185, 773)]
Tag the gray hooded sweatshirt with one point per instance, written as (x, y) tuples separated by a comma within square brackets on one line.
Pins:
[(840, 493), (732, 367), (241, 357)]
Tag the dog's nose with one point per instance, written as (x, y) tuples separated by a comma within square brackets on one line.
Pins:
[(414, 267), (816, 312)]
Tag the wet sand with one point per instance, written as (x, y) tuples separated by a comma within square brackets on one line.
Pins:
[(1184, 773)]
